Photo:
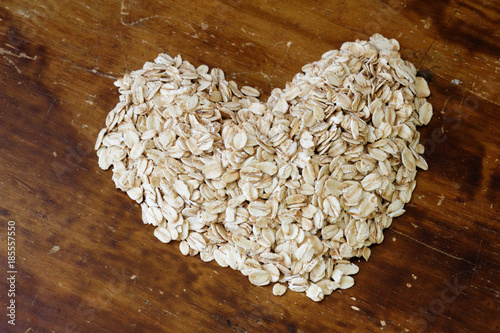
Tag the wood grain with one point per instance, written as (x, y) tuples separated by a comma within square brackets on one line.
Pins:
[(438, 269)]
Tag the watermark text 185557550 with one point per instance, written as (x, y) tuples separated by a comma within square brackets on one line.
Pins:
[(11, 272)]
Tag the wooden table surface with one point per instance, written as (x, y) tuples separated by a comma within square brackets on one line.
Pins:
[(86, 263)]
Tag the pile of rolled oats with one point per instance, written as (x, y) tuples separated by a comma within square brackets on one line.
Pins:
[(285, 191)]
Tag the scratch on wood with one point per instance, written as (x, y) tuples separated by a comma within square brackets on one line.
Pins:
[(20, 55), (278, 65), (249, 32), (444, 105), (95, 71), (267, 77), (29, 189), (432, 248), (195, 35), (475, 93), (124, 12), (50, 107), (90, 70), (123, 52), (434, 40), (13, 64)]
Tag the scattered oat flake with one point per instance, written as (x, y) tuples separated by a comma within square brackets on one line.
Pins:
[(286, 191), (408, 285), (441, 199), (354, 308), (279, 289), (427, 23), (54, 249)]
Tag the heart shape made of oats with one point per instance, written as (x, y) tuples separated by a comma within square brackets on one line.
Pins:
[(285, 191)]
